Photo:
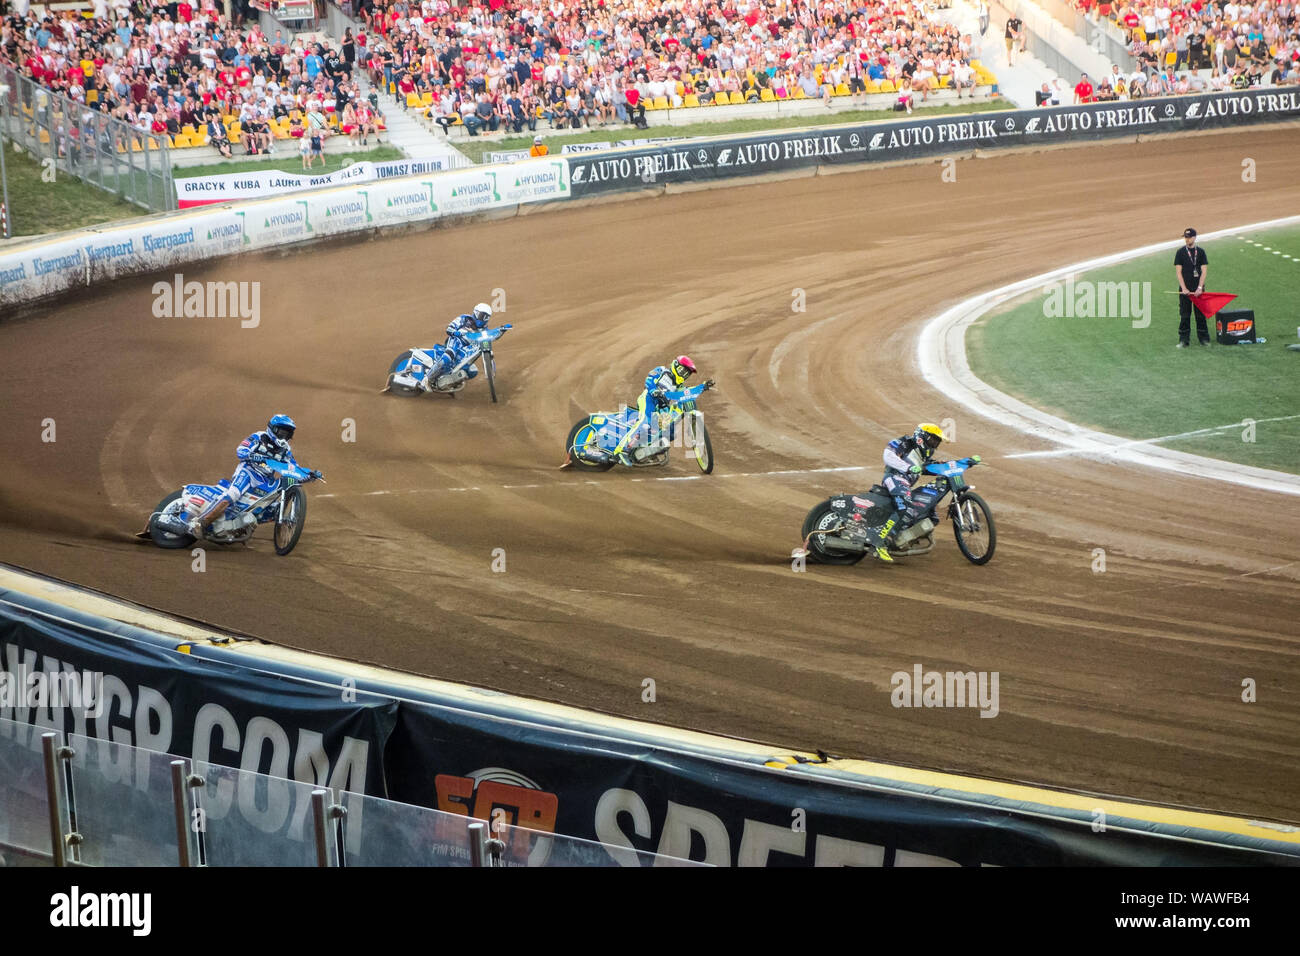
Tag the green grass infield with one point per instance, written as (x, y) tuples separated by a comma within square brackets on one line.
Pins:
[(1104, 356)]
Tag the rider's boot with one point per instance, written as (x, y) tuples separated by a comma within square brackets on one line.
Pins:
[(212, 514), (880, 541)]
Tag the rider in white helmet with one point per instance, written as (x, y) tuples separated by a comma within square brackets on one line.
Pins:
[(458, 328)]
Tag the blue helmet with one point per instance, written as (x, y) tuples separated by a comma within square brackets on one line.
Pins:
[(281, 427)]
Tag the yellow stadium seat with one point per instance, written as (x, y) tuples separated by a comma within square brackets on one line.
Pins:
[(426, 99), (188, 129), (767, 96), (798, 94), (842, 90), (872, 86), (681, 89), (690, 99), (412, 100), (887, 86), (945, 81), (659, 103), (736, 97)]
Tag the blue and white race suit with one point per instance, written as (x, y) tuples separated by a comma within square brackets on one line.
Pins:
[(457, 343), (250, 474)]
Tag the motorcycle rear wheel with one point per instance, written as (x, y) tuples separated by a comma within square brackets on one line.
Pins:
[(824, 516), (165, 539), (575, 438)]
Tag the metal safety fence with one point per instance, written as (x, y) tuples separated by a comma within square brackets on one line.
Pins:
[(71, 137), (72, 800)]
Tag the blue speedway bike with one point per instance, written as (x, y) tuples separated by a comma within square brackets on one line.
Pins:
[(437, 369), (285, 505), (840, 529), (592, 440)]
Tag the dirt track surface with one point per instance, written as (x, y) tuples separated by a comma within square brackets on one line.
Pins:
[(1127, 682)]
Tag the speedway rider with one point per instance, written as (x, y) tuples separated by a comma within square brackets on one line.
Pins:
[(900, 473), (457, 343), (252, 451), (661, 381)]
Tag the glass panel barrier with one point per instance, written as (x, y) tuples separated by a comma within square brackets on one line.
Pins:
[(251, 819), (24, 811), (524, 847), (122, 796), (382, 832)]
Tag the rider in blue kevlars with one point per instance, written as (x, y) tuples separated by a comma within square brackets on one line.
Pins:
[(901, 471), (659, 384), (457, 344), (252, 451)]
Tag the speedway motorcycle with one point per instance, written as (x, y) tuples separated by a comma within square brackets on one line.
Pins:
[(437, 369), (842, 529), (285, 506), (592, 440)]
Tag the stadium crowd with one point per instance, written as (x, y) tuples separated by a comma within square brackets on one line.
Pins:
[(509, 63), (176, 67), (1240, 44), (185, 69)]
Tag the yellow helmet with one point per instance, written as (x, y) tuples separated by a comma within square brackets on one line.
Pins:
[(928, 435)]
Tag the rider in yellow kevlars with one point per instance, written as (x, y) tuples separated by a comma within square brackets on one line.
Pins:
[(661, 380)]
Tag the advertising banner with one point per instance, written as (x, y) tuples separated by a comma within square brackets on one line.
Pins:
[(711, 159), (149, 696), (231, 187), (641, 798)]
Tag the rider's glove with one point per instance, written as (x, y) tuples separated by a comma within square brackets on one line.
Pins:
[(709, 384), (256, 458), (914, 470), (660, 397)]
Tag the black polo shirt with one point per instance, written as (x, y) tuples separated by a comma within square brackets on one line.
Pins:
[(1189, 263)]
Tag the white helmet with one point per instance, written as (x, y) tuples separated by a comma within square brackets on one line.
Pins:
[(482, 312)]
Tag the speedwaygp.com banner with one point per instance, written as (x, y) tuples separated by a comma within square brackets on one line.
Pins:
[(710, 159)]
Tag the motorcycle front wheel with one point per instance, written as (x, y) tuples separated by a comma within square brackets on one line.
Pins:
[(288, 528), (972, 524)]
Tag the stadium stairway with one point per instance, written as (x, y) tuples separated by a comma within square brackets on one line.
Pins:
[(408, 134), (1017, 81)]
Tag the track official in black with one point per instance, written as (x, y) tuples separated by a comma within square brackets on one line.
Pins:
[(1190, 266)]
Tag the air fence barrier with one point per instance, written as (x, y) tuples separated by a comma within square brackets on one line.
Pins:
[(73, 800), (290, 759), (69, 137)]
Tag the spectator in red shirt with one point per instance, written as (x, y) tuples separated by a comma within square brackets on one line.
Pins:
[(1083, 90)]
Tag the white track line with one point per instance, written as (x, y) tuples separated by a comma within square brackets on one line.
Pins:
[(941, 354), (1133, 443), (571, 484)]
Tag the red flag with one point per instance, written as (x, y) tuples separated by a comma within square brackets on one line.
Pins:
[(1211, 302)]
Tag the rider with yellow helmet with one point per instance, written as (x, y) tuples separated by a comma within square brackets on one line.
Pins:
[(905, 458)]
